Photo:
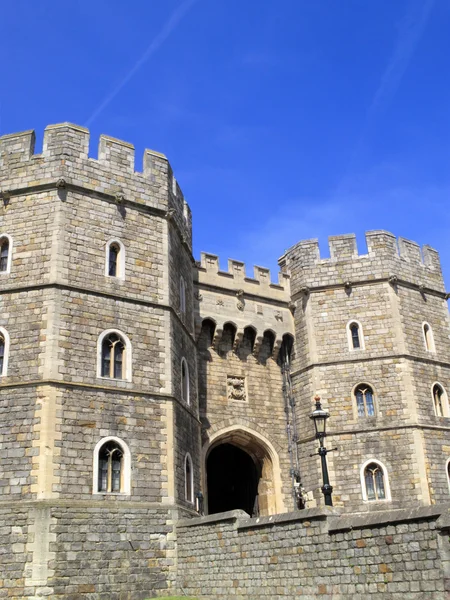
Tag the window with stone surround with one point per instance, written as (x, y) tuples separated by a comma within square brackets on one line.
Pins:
[(5, 253), (375, 481), (4, 352), (440, 400), (188, 479), (428, 337), (114, 355), (185, 381), (111, 467), (364, 398), (115, 259), (355, 336)]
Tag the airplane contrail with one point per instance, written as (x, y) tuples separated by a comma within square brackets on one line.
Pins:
[(168, 28), (409, 36)]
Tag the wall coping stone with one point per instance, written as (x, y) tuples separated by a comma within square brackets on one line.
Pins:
[(388, 517), (231, 515), (309, 514), (336, 520), (444, 520)]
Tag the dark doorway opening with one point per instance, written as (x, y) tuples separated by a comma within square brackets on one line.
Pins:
[(232, 480)]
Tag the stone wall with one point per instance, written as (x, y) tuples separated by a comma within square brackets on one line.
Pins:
[(74, 549), (390, 292), (254, 419), (316, 553), (61, 209)]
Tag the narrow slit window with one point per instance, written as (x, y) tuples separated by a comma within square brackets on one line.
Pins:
[(182, 296), (364, 401), (428, 337), (189, 479), (354, 330), (185, 381), (113, 264), (4, 254), (2, 354)]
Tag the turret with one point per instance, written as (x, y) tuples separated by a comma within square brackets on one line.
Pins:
[(372, 340)]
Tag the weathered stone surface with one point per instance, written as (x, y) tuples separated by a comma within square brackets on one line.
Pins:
[(293, 556), (62, 539)]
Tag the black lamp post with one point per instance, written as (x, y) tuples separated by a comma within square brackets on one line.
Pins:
[(320, 416)]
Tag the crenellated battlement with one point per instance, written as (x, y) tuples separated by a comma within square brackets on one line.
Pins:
[(65, 154), (387, 257), (235, 278)]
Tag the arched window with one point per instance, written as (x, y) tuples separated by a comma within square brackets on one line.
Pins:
[(188, 479), (114, 355), (5, 253), (111, 467), (4, 351), (428, 338), (440, 401), (364, 400), (355, 335), (115, 259), (113, 350), (185, 381), (374, 481), (182, 296)]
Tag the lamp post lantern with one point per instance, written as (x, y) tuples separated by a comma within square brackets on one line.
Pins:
[(319, 417)]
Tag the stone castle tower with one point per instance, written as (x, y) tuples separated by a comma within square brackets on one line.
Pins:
[(95, 426), (372, 339), (137, 385)]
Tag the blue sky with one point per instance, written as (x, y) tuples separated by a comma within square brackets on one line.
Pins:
[(282, 120)]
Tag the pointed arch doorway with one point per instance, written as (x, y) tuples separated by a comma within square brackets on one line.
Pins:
[(242, 472), (233, 479)]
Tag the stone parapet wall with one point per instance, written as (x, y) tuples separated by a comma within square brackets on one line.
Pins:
[(235, 277), (64, 163), (387, 257), (316, 553)]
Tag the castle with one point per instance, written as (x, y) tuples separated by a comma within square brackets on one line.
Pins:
[(140, 387)]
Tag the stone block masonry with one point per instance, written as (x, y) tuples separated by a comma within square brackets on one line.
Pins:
[(136, 383), (316, 553), (64, 534)]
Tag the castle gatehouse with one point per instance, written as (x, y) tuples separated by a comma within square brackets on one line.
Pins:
[(140, 388)]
